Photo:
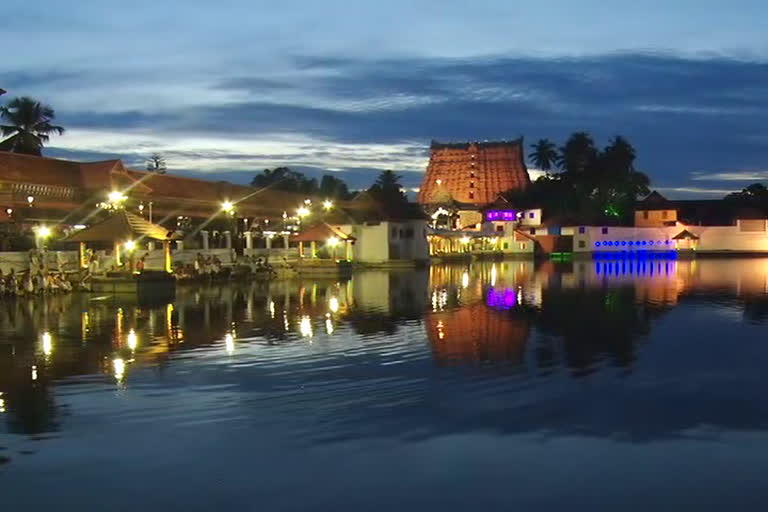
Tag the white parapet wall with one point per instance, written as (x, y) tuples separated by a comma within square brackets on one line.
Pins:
[(742, 237), (621, 238), (729, 238)]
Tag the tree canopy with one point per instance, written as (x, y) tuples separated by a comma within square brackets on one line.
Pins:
[(283, 178), (156, 163), (30, 124), (388, 189), (594, 185)]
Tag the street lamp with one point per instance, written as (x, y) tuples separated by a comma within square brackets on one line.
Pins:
[(115, 197), (130, 246), (30, 200), (43, 232), (327, 204), (227, 207), (302, 211)]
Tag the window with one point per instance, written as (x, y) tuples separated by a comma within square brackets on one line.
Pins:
[(664, 214), (402, 234), (472, 174), (582, 230), (533, 231), (471, 194), (471, 184), (605, 231), (645, 214), (522, 247), (500, 227), (506, 246), (531, 215), (409, 233), (582, 244)]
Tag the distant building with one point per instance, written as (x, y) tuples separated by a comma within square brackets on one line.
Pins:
[(474, 173), (384, 234), (655, 211)]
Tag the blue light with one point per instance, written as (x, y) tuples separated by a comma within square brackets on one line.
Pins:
[(631, 243), (597, 244), (650, 243), (644, 242), (617, 243), (623, 243)]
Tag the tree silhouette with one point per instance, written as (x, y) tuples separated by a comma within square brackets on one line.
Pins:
[(30, 126), (156, 163), (387, 188), (544, 155)]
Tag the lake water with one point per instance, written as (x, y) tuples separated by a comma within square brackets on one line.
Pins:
[(509, 386)]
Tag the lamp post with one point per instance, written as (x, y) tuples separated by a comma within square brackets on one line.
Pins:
[(228, 208)]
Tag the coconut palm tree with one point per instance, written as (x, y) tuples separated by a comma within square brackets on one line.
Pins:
[(544, 155), (578, 154), (29, 126)]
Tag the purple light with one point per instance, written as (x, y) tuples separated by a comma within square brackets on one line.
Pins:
[(502, 299), (507, 215)]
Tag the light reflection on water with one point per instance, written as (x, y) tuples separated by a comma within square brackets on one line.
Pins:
[(628, 351)]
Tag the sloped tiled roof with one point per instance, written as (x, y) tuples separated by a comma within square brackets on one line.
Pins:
[(321, 232), (655, 201), (120, 226), (685, 235), (471, 172)]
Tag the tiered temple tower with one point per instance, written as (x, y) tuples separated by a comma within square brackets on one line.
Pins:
[(473, 172)]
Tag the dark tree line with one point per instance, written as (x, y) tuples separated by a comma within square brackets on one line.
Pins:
[(386, 188), (591, 183)]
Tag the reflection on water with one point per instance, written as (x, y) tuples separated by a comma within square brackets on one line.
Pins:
[(505, 346)]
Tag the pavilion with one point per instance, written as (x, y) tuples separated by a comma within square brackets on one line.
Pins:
[(126, 231)]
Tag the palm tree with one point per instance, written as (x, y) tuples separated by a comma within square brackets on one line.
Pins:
[(156, 163), (544, 155), (578, 154), (29, 126)]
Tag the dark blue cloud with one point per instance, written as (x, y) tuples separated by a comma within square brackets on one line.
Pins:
[(684, 115)]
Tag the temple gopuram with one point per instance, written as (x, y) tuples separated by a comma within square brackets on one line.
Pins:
[(473, 173)]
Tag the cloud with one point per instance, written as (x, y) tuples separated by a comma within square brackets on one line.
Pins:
[(352, 113), (730, 176), (697, 191)]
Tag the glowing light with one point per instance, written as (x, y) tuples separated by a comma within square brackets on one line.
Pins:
[(465, 280), (327, 204), (2, 403), (227, 207), (118, 368), (440, 332), (493, 275), (30, 199), (9, 211), (34, 372), (439, 182), (307, 202), (116, 197), (305, 327), (141, 207), (133, 340), (333, 241), (465, 240), (47, 343), (43, 231), (302, 211), (130, 245), (272, 309), (328, 325), (229, 343), (333, 305)]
